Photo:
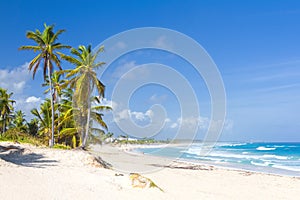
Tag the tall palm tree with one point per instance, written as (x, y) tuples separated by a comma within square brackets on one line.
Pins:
[(47, 46), (6, 108), (84, 79)]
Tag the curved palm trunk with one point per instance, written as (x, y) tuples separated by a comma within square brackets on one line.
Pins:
[(51, 140), (87, 126)]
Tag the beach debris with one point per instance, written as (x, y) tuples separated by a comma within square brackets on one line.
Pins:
[(246, 173), (184, 165), (139, 181), (119, 174), (97, 161)]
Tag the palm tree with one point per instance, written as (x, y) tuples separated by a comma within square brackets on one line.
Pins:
[(19, 121), (44, 116), (83, 79), (47, 46), (58, 85), (6, 108), (66, 120), (33, 126), (97, 116)]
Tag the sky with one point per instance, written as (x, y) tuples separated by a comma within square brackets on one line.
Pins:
[(254, 44)]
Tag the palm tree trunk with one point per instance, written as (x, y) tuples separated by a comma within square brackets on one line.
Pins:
[(88, 116), (51, 141), (87, 127), (4, 124), (58, 113)]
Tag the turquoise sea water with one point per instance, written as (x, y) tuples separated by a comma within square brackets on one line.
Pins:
[(277, 158)]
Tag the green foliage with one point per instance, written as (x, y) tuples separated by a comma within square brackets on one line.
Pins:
[(61, 146), (74, 142), (83, 79), (141, 141), (47, 47), (14, 135), (6, 109), (19, 121), (54, 119), (33, 127)]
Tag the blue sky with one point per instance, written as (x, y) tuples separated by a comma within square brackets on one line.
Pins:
[(255, 44)]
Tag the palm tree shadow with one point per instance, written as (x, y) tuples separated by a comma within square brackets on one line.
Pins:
[(16, 155)]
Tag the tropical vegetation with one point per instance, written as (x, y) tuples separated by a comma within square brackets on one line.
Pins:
[(72, 116)]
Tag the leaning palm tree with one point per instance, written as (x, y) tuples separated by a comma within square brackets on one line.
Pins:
[(6, 108), (47, 46), (84, 79)]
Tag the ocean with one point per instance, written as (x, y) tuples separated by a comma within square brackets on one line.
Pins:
[(274, 158)]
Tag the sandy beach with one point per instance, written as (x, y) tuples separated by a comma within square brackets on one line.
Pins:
[(29, 172)]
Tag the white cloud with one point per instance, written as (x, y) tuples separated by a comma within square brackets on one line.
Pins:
[(33, 99), (123, 68), (228, 125), (167, 120), (158, 98), (174, 125), (106, 102), (136, 116), (190, 122), (118, 46), (27, 104), (162, 42), (130, 71), (14, 80), (121, 45)]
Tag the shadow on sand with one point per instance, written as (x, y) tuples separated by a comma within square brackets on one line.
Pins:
[(17, 155)]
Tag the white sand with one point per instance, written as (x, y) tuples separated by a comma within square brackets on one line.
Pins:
[(42, 173)]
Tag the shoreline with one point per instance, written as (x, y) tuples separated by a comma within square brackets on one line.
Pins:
[(43, 173), (132, 148)]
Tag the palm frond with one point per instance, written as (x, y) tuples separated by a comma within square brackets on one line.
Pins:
[(69, 59), (35, 37), (30, 47), (102, 108), (68, 131), (55, 36)]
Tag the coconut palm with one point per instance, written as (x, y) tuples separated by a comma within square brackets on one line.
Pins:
[(47, 46), (6, 108), (19, 121), (58, 85), (84, 79), (66, 120), (44, 116), (33, 127)]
